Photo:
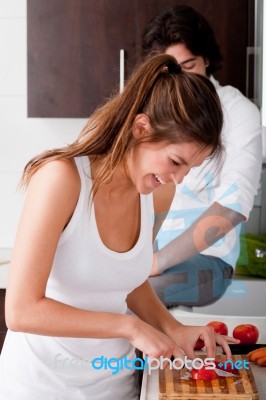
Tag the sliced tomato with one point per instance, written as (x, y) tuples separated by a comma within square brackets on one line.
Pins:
[(204, 374)]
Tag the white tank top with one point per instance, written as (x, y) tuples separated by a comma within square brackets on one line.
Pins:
[(88, 275)]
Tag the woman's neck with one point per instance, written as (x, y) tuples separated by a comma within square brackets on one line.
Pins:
[(120, 183)]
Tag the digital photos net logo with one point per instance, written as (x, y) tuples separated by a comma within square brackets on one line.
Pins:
[(149, 364)]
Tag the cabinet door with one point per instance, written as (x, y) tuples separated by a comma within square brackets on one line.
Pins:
[(74, 45), (73, 53)]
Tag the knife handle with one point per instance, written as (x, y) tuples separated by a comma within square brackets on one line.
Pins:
[(244, 348)]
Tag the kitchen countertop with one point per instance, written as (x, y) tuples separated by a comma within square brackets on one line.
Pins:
[(150, 384)]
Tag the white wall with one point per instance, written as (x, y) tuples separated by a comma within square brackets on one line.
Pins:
[(262, 6), (263, 110), (20, 137)]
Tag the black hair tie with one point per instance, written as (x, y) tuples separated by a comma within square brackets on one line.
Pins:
[(174, 68)]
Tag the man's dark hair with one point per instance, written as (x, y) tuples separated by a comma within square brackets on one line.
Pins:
[(182, 24)]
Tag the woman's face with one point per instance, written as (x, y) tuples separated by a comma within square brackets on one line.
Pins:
[(188, 61), (151, 165)]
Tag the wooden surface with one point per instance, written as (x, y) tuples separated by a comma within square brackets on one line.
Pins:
[(176, 384)]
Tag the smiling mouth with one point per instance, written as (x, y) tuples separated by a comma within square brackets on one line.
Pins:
[(159, 179)]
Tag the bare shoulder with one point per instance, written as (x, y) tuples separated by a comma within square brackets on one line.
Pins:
[(60, 172), (62, 167), (55, 186)]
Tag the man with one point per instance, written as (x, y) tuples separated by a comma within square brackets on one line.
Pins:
[(199, 243)]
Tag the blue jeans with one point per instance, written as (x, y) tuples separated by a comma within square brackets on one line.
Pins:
[(198, 281)]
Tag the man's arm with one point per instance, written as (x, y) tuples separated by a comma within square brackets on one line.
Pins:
[(241, 168), (212, 225)]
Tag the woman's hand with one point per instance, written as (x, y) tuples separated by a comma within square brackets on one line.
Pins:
[(187, 336), (152, 342)]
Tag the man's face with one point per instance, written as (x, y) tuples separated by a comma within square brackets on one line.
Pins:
[(187, 60)]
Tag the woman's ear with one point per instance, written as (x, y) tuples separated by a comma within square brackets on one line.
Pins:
[(141, 126)]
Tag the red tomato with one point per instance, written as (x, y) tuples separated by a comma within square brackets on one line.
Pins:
[(219, 327), (199, 344), (246, 333), (203, 373)]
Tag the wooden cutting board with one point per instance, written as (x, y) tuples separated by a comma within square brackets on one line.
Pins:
[(176, 384)]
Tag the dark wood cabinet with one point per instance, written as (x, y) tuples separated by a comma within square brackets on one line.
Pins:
[(74, 52), (3, 327), (74, 45)]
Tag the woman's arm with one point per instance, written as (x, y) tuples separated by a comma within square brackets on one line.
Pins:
[(146, 305), (50, 202), (51, 198)]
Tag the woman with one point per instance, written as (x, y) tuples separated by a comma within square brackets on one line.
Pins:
[(83, 250)]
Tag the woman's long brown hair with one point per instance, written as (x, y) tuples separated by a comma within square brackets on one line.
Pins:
[(181, 107)]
